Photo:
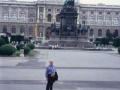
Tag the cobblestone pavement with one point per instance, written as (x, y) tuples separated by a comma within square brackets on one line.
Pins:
[(77, 70)]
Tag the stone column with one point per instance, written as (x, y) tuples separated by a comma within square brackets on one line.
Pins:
[(54, 15), (18, 19), (88, 17), (78, 16), (104, 23), (96, 21), (44, 15), (44, 33), (38, 13), (9, 18), (112, 14), (27, 15)]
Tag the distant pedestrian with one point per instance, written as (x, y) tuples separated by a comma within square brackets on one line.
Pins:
[(51, 75)]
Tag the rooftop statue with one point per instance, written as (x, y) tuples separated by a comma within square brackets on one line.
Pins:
[(68, 3)]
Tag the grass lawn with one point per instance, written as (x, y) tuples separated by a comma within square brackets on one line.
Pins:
[(32, 53), (17, 53)]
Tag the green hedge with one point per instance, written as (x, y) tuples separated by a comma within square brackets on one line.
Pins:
[(119, 50), (17, 38), (97, 43), (31, 46), (116, 42), (2, 42), (105, 41), (26, 50), (5, 39), (7, 50), (19, 46)]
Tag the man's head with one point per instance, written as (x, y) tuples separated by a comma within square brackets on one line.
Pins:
[(51, 62)]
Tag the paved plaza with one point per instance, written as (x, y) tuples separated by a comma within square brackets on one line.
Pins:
[(77, 70)]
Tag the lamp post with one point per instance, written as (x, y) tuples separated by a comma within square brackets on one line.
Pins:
[(93, 37), (9, 38)]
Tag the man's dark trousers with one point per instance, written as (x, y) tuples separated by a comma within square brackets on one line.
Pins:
[(50, 83)]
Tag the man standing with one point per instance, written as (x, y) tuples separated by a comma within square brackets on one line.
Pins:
[(50, 76)]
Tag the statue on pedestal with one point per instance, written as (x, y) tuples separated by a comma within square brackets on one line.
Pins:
[(83, 29), (54, 29)]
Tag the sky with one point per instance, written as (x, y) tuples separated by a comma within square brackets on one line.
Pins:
[(107, 2)]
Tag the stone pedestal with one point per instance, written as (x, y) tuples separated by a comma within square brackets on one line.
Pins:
[(70, 41), (22, 53)]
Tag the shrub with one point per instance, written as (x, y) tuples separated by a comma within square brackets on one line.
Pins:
[(17, 53), (37, 41), (7, 50), (19, 46), (31, 46), (26, 49), (119, 50), (2, 42)]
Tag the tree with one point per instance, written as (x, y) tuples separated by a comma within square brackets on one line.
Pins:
[(115, 34), (109, 35)]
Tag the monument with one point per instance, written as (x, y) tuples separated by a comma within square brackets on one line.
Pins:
[(68, 34)]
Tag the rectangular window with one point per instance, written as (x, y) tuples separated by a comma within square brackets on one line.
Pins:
[(31, 20), (49, 10)]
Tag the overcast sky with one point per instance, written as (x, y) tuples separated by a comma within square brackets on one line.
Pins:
[(109, 2)]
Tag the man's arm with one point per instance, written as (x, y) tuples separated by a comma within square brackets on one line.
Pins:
[(46, 73)]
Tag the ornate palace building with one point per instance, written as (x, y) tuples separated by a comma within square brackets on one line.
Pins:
[(34, 18)]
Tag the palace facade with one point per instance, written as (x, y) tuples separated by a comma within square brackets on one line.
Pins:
[(33, 19)]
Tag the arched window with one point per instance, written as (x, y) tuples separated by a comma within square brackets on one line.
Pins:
[(14, 17), (4, 29), (31, 30), (116, 21), (22, 17), (91, 32), (49, 18), (107, 31), (116, 33), (99, 32), (5, 16), (22, 29), (13, 29), (57, 18)]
